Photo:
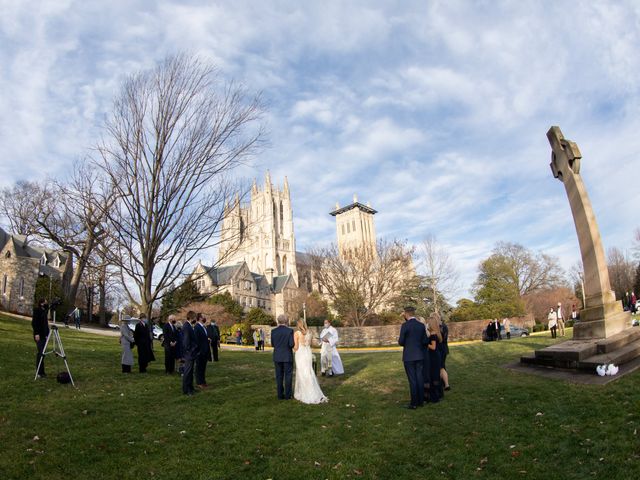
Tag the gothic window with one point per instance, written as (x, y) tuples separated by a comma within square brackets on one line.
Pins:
[(275, 215), (242, 229), (353, 224), (348, 227), (342, 228), (284, 265), (281, 218), (56, 262), (43, 260), (21, 289), (4, 284)]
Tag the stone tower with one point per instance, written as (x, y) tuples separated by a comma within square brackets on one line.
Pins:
[(354, 226), (261, 233)]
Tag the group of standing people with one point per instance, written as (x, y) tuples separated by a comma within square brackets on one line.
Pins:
[(494, 329), (258, 339), (629, 302), (556, 320), (424, 353), (192, 345)]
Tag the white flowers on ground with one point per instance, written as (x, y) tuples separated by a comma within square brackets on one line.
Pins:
[(604, 369)]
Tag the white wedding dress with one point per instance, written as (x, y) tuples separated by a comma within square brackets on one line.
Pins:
[(307, 389)]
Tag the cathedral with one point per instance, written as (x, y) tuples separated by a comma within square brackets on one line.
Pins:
[(261, 233), (257, 258)]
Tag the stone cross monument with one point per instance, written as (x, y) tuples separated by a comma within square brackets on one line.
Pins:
[(602, 316)]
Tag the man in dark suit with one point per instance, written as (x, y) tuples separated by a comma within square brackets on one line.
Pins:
[(40, 327), (143, 343), (214, 339), (169, 341), (413, 339), (202, 340), (189, 353), (282, 342)]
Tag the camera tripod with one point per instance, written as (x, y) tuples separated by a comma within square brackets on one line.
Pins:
[(57, 349)]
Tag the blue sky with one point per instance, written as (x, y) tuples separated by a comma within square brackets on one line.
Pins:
[(435, 112)]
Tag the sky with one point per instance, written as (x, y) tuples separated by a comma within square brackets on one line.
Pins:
[(435, 112)]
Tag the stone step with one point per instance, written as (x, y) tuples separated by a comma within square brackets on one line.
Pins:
[(569, 351), (625, 354), (619, 340)]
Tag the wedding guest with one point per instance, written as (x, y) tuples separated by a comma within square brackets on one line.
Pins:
[(496, 329), (553, 322), (179, 340), (413, 338), (560, 318), (127, 342), (261, 341), (143, 343), (169, 342), (202, 340), (40, 327), (506, 324), (435, 391), (189, 353), (238, 337), (214, 339), (444, 351), (256, 339)]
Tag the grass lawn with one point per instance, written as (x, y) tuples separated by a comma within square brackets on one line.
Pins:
[(494, 424)]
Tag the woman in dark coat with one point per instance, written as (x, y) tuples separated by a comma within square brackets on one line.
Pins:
[(444, 351), (143, 344), (435, 360)]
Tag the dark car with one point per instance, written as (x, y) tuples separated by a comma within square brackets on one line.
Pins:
[(515, 332)]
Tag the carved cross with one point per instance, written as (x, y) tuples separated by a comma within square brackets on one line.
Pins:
[(565, 155)]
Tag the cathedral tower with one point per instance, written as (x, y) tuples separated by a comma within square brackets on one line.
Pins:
[(354, 226), (261, 233)]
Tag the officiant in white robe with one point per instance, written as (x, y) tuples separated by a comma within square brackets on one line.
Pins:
[(330, 360)]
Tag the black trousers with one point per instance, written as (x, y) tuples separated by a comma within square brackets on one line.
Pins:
[(553, 332), (214, 350), (415, 376), (284, 374), (39, 353), (201, 368), (169, 359), (187, 376)]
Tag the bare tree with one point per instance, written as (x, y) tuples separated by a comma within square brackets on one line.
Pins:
[(21, 206), (440, 272), (175, 134), (621, 272), (576, 278), (74, 217), (360, 282), (67, 214), (531, 271)]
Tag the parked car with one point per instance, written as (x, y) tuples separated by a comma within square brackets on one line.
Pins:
[(515, 332)]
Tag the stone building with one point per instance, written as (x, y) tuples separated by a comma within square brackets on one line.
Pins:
[(355, 228), (21, 265), (274, 295)]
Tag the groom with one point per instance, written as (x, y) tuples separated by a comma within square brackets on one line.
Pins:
[(282, 342)]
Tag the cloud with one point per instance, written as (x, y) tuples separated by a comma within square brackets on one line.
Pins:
[(436, 112)]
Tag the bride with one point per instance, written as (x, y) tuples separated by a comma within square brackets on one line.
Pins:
[(307, 389)]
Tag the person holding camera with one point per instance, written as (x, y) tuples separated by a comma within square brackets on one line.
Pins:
[(40, 327)]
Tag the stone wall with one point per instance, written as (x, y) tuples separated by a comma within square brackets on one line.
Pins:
[(386, 336)]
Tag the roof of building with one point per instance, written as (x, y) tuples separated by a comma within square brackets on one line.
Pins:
[(364, 208), (25, 250), (223, 275), (280, 282)]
